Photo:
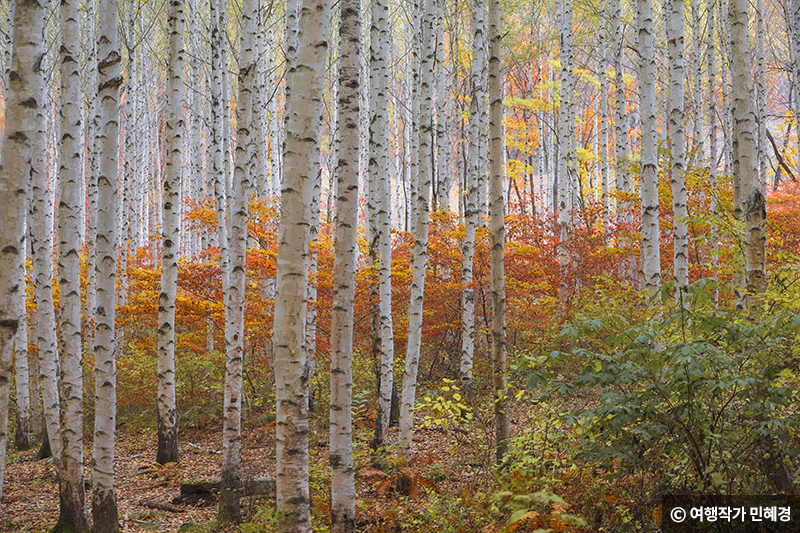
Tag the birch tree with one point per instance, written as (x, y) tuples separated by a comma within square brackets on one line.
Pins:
[(564, 130), (677, 137), (41, 217), (471, 211), (420, 252), (498, 228), (23, 100), (300, 160), (104, 499), (380, 199), (794, 41), (343, 504), (752, 205), (651, 256), (166, 400), (22, 437), (229, 508), (72, 513)]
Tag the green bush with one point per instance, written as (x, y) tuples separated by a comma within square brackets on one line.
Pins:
[(698, 401)]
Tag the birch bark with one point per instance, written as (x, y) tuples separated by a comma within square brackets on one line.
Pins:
[(23, 103), (343, 505), (104, 500), (166, 401), (471, 211), (651, 256), (380, 196), (420, 253), (230, 490), (301, 160), (745, 154), (677, 136), (496, 165), (72, 513)]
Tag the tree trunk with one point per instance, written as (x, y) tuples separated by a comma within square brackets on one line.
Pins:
[(166, 401), (343, 505), (471, 212), (496, 137), (420, 253), (23, 103), (680, 229), (230, 490), (42, 246), (22, 437), (651, 256), (301, 160), (794, 39), (564, 135), (104, 499), (73, 513), (380, 197), (745, 156)]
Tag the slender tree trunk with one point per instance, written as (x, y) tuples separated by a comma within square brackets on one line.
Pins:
[(22, 437), (343, 504), (651, 256), (73, 515), (219, 114), (604, 126), (502, 432), (761, 80), (712, 126), (42, 246), (420, 253), (564, 134), (745, 155), (621, 126), (166, 401), (794, 40), (301, 160), (104, 500), (23, 101), (471, 212), (380, 197), (677, 136), (230, 490)]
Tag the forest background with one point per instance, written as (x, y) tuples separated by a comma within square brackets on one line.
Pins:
[(557, 243)]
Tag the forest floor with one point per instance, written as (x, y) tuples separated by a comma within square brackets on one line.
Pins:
[(391, 496)]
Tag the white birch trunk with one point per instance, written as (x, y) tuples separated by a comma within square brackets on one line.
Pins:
[(104, 500), (42, 247), (166, 401), (22, 437), (651, 256), (496, 165), (343, 504), (794, 41), (604, 125), (23, 103), (229, 507), (301, 160), (420, 253), (219, 114), (564, 134), (472, 211), (677, 136), (752, 205), (71, 490), (380, 199)]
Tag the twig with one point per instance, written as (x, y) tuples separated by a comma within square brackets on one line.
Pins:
[(203, 449), (129, 457)]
